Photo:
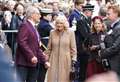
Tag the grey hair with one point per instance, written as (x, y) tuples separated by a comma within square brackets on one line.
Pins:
[(31, 10)]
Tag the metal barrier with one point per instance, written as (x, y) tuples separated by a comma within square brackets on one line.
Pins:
[(13, 48), (12, 31)]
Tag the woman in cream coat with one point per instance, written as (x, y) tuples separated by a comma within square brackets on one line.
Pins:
[(61, 51)]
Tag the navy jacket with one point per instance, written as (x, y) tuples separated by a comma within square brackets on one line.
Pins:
[(74, 14)]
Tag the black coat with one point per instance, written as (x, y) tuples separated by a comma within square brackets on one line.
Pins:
[(93, 39), (82, 32)]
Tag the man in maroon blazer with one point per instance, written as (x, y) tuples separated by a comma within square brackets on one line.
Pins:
[(28, 52)]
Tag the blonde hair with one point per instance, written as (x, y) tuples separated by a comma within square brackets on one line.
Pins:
[(115, 8), (63, 19)]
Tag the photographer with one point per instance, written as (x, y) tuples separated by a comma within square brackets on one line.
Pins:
[(112, 52)]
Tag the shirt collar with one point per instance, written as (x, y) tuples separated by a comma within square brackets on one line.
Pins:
[(84, 15), (115, 22), (77, 10), (31, 22)]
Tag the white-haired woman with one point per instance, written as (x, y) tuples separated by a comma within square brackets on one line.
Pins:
[(61, 50)]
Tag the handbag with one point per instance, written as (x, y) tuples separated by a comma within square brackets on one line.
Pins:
[(72, 75)]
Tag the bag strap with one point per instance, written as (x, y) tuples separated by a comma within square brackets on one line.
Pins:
[(41, 44)]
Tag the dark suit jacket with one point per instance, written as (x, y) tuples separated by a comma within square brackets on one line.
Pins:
[(28, 46), (113, 50)]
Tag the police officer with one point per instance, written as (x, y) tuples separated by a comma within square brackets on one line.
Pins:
[(78, 23), (76, 13), (88, 11), (82, 32), (44, 26), (44, 29)]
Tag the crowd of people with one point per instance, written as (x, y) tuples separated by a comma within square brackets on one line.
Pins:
[(44, 40)]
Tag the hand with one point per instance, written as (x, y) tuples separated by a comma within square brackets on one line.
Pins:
[(8, 19), (93, 47), (40, 44), (47, 64), (46, 56), (74, 62), (34, 60)]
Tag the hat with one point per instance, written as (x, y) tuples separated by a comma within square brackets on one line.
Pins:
[(46, 10), (79, 1), (88, 7)]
